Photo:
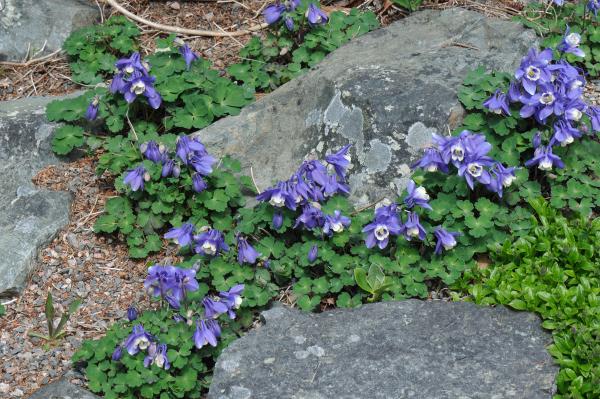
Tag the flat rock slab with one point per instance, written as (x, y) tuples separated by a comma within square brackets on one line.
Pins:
[(391, 350), (29, 216), (385, 92), (37, 25), (62, 389)]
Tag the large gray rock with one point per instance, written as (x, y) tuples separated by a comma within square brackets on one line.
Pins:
[(40, 24), (29, 216), (385, 93), (62, 389), (391, 350)]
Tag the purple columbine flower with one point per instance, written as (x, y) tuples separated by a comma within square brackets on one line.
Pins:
[(157, 355), (335, 223), (188, 55), (412, 227), (310, 217), (558, 2), (386, 223), (138, 340), (202, 163), (498, 103), (142, 84), (159, 279), (182, 235), (232, 298), (564, 133), (117, 85), (152, 151), (593, 6), (543, 103), (132, 313), (432, 161), (92, 110), (315, 16), (514, 92), (473, 167), (182, 282), (203, 335), (537, 140), (273, 13), (278, 197), (246, 253), (136, 177), (416, 196), (534, 69), (170, 168), (213, 309), (570, 43), (501, 178), (213, 326), (198, 183), (131, 64), (289, 23), (186, 148), (445, 239), (594, 114), (314, 171), (291, 5), (545, 159), (277, 220), (210, 243), (118, 353), (340, 161)]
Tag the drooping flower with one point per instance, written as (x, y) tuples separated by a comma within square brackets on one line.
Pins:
[(570, 43), (188, 55), (501, 177), (170, 168), (183, 235), (152, 151), (213, 308), (445, 239), (273, 13), (593, 6), (136, 177), (594, 113), (182, 282), (537, 140), (289, 23), (386, 223), (313, 253), (432, 161), (203, 335), (564, 133), (186, 148), (335, 223), (117, 85), (232, 298), (413, 228), (545, 159), (340, 161), (210, 243), (198, 183), (132, 313), (315, 16), (498, 103), (118, 353), (157, 355), (416, 196), (131, 64), (246, 253), (92, 110), (138, 340), (311, 217), (278, 197), (202, 163)]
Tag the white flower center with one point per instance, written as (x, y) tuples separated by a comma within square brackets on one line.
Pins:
[(547, 98), (337, 227), (533, 73), (141, 342), (545, 164), (159, 360), (277, 200), (209, 248), (138, 87), (421, 193), (237, 302), (567, 141), (347, 157), (413, 231), (381, 232), (458, 153), (450, 244), (432, 167), (508, 180), (475, 169), (575, 114), (129, 69), (573, 39)]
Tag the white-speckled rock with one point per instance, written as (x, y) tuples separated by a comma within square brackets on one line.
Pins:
[(410, 349), (385, 92)]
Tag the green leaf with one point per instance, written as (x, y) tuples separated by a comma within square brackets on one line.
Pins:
[(66, 138)]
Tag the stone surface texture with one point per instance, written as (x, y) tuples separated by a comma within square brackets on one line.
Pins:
[(62, 389), (384, 92), (29, 216), (40, 24), (409, 349)]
